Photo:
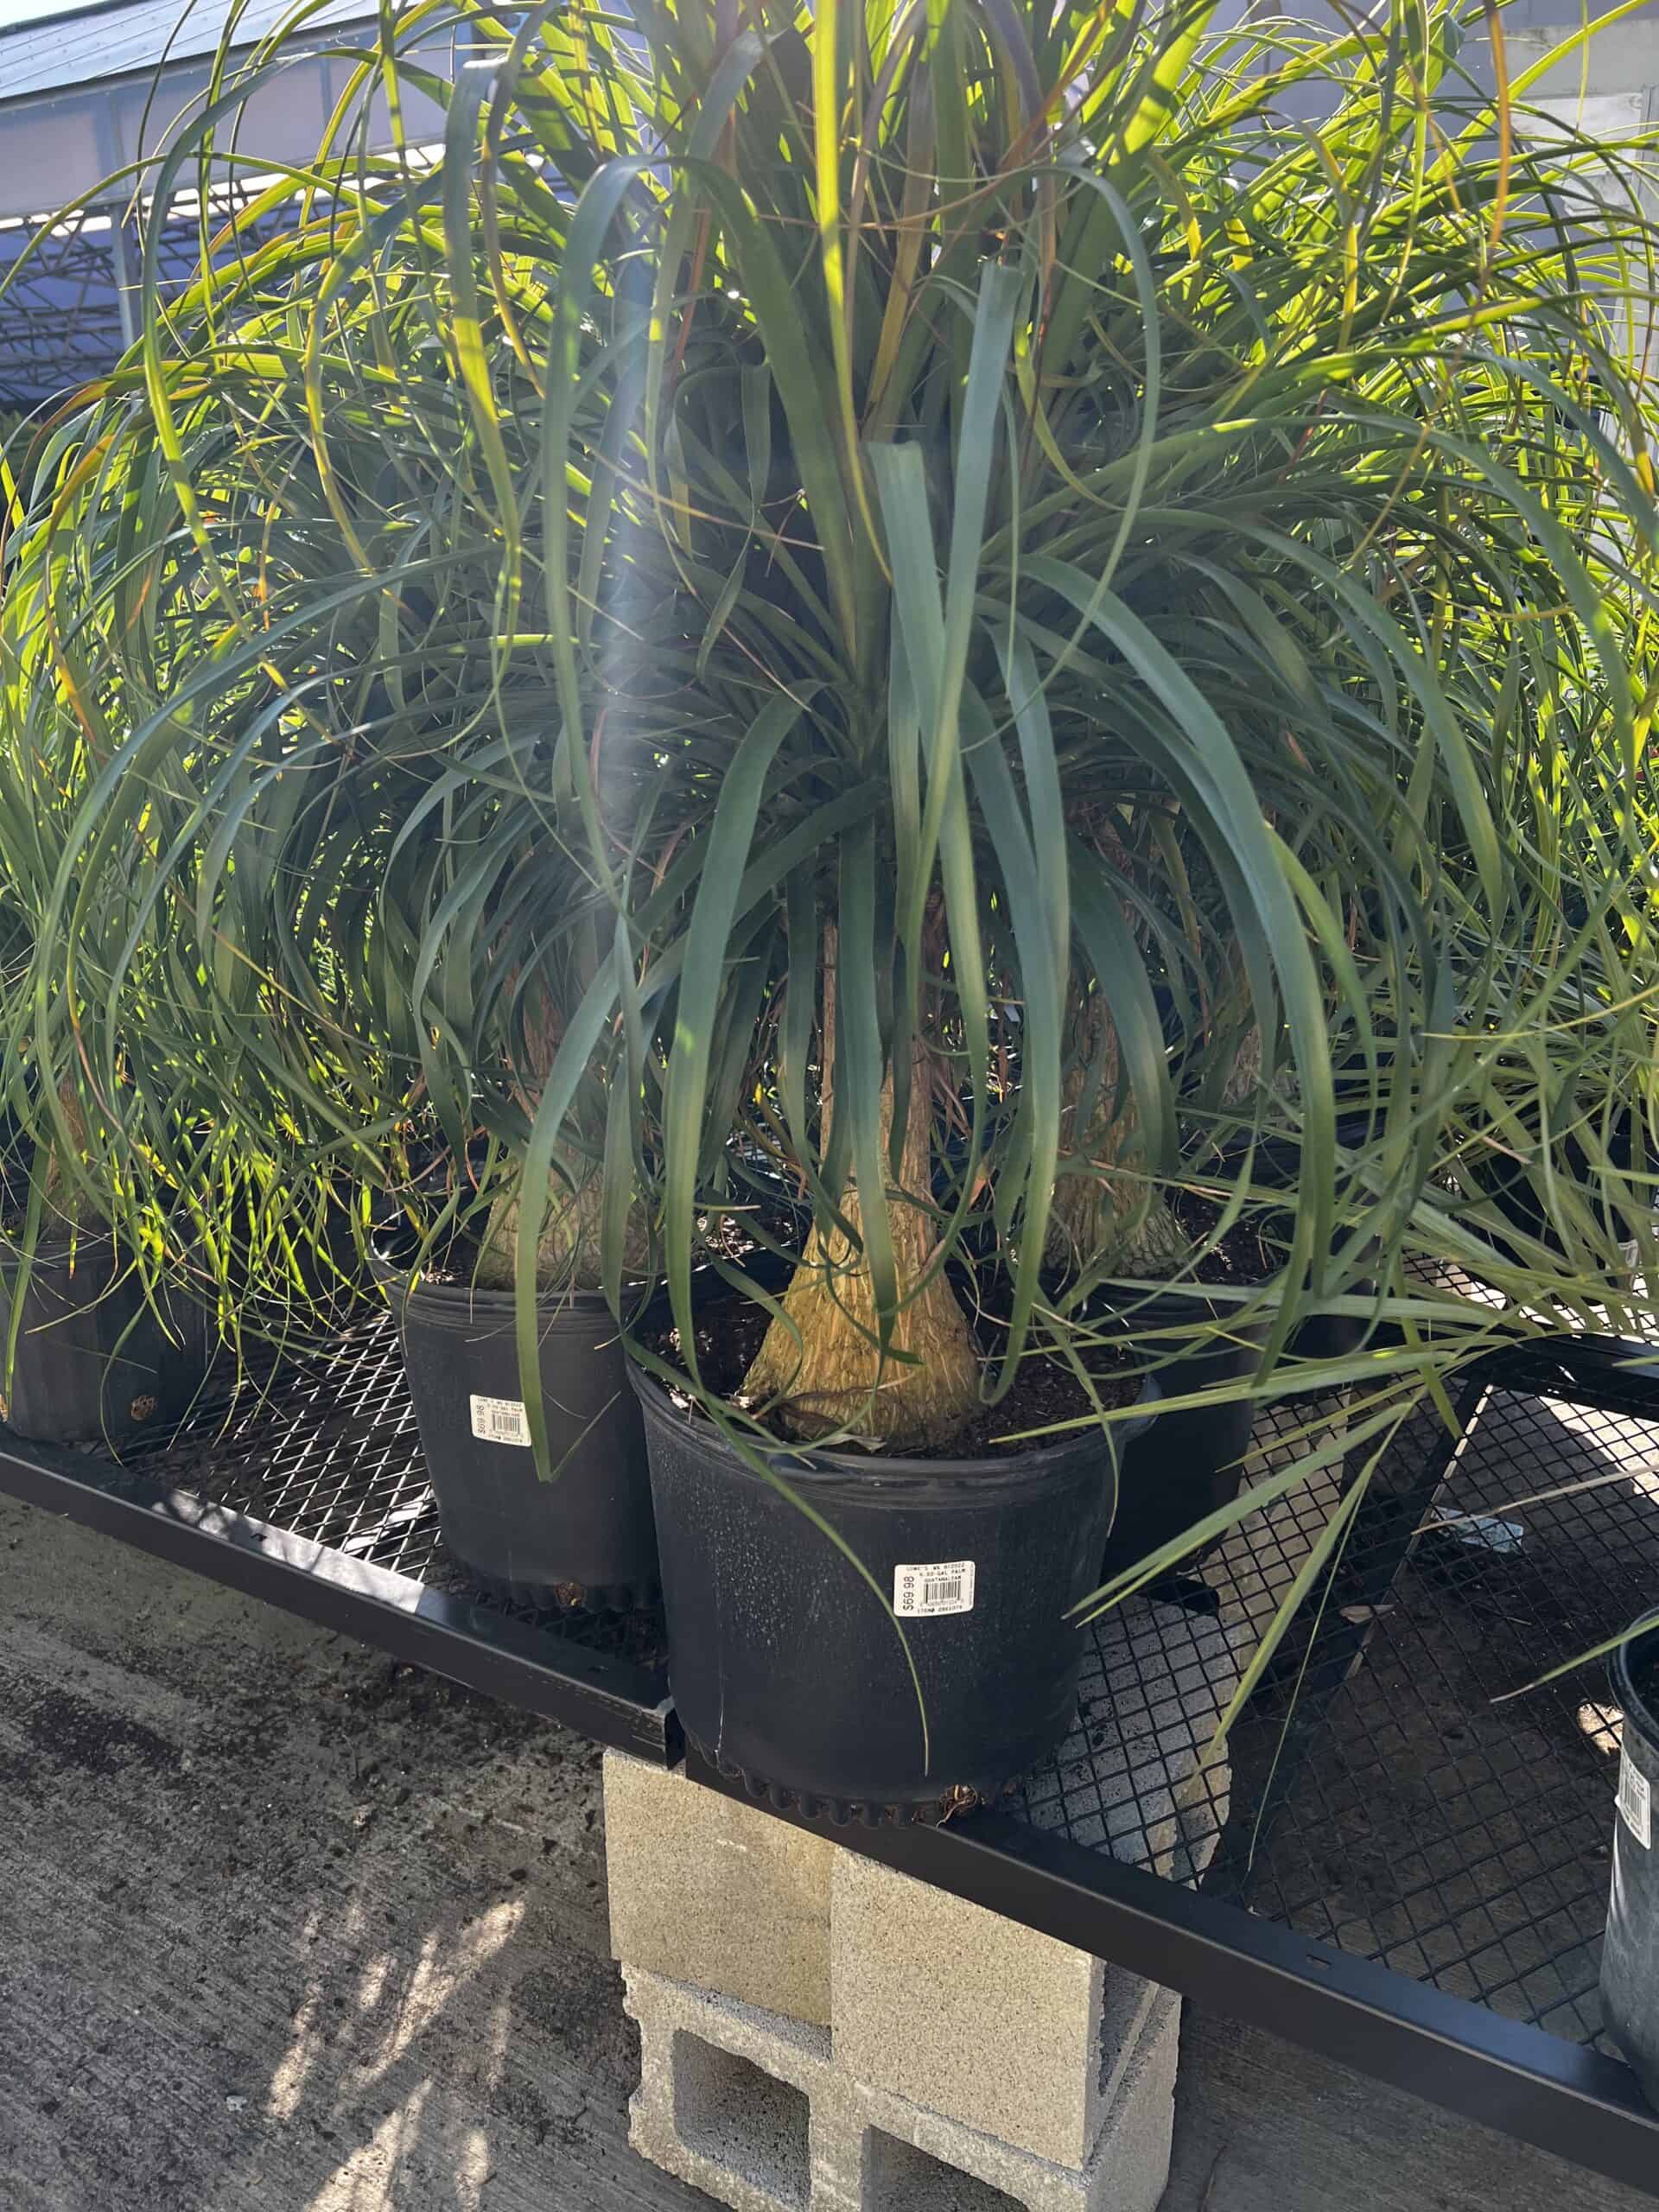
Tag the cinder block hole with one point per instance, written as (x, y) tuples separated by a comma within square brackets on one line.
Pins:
[(898, 2177), (742, 2117)]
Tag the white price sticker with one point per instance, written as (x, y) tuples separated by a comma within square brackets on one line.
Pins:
[(945, 1587), (501, 1421), (1636, 1802)]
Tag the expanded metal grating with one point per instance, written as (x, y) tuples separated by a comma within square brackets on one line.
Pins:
[(1385, 1790), (321, 1443)]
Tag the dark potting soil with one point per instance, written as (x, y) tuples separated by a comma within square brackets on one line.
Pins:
[(1043, 1391), (735, 1235), (1242, 1257)]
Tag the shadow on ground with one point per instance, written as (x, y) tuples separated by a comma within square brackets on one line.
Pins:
[(284, 1928)]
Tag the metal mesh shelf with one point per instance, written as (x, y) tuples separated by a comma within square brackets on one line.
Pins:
[(1383, 1791), (1373, 1795)]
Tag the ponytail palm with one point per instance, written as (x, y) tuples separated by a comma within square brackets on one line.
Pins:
[(949, 592)]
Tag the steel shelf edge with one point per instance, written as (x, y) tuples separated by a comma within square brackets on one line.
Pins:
[(614, 1701)]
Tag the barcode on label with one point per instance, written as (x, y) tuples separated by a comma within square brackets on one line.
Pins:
[(1636, 1802), (500, 1421), (945, 1586)]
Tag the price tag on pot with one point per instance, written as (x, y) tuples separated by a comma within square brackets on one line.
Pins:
[(945, 1587), (501, 1421), (1636, 1802)]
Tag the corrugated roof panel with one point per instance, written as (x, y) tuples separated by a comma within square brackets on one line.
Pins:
[(62, 51), (68, 143)]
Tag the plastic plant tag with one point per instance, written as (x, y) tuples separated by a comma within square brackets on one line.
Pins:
[(1486, 1531), (947, 1586), (1636, 1802), (501, 1421)]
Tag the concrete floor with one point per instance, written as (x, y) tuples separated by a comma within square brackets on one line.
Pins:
[(286, 1928)]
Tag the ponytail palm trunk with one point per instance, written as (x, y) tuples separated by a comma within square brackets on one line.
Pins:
[(826, 1363), (1110, 1215)]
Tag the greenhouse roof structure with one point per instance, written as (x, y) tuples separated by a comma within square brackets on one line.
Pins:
[(90, 99)]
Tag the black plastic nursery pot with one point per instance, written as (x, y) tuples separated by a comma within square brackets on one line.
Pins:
[(1277, 1163), (587, 1535), (94, 1360), (1331, 1336), (1630, 1958), (787, 1671), (1188, 1463), (1515, 1188)]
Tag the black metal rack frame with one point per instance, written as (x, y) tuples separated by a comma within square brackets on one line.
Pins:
[(313, 1496)]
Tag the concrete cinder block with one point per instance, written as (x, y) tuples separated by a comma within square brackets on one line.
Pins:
[(707, 1890), (753, 2110), (732, 2098), (980, 2020), (910, 2159)]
